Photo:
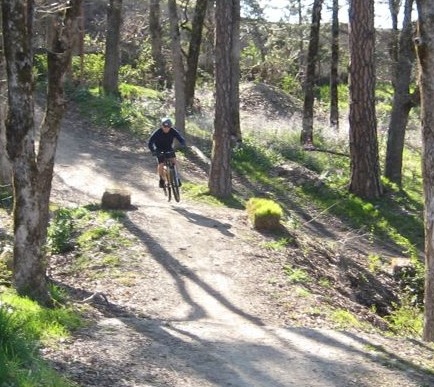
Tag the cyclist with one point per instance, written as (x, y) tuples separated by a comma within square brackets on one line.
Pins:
[(161, 140)]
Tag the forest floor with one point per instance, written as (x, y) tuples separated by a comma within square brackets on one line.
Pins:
[(202, 300)]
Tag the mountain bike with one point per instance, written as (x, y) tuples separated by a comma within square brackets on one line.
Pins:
[(171, 178)]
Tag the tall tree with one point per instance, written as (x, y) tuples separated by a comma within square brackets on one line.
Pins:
[(425, 54), (220, 183), (365, 170), (334, 68), (33, 170), (178, 67), (309, 82), (159, 65), (110, 82), (403, 100), (194, 51)]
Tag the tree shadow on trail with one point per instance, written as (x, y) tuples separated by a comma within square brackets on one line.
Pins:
[(180, 273), (157, 351), (205, 221)]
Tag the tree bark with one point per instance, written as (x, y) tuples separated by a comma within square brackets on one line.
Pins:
[(110, 82), (425, 54), (309, 83), (403, 101), (365, 170), (220, 183), (32, 171)]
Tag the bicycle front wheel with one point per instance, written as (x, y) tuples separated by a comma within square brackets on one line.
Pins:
[(173, 182)]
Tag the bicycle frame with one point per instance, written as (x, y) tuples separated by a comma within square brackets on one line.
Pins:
[(171, 183)]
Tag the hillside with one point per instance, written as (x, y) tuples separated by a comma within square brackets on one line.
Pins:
[(193, 296)]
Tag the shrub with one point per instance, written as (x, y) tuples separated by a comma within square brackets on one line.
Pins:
[(265, 214)]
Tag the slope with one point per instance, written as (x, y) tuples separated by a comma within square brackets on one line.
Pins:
[(200, 299)]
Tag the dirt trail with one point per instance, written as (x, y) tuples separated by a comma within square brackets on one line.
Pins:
[(196, 313)]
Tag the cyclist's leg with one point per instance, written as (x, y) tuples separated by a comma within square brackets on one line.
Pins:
[(160, 170)]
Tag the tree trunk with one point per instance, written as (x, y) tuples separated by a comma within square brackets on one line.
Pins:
[(159, 66), (365, 170), (32, 172), (194, 51), (110, 82), (220, 183), (178, 68), (425, 54), (402, 100), (334, 75), (309, 83), (29, 265)]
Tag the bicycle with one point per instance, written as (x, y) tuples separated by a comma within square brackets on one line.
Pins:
[(171, 178)]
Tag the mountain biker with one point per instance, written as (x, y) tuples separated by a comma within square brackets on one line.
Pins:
[(161, 140)]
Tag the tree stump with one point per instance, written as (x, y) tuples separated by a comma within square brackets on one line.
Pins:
[(116, 199)]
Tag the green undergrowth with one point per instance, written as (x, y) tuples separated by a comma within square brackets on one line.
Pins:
[(201, 193), (24, 327), (136, 110), (326, 189), (96, 238), (322, 184)]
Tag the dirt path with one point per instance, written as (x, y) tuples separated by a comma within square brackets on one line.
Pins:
[(196, 312)]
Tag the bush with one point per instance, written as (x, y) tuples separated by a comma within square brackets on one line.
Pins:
[(265, 214)]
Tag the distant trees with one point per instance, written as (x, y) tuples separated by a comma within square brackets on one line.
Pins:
[(110, 81), (178, 67), (194, 51), (334, 67), (309, 81), (365, 170), (403, 99), (159, 62), (5, 165)]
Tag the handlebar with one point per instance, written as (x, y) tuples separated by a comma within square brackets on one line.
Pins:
[(166, 154)]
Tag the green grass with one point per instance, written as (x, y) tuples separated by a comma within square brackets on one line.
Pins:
[(324, 187), (200, 193), (24, 325), (278, 244), (406, 319), (95, 237), (137, 110), (296, 274), (345, 319), (381, 219)]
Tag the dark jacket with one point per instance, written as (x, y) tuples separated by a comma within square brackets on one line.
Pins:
[(163, 142)]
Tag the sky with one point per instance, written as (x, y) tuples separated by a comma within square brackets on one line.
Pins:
[(275, 10)]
